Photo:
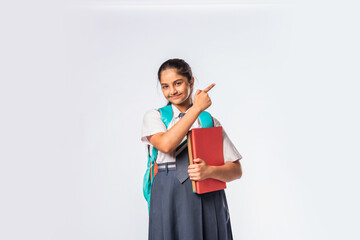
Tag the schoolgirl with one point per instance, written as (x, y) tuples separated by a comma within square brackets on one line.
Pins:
[(175, 211)]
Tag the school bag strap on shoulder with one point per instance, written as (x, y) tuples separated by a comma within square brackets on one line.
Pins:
[(206, 120), (167, 115)]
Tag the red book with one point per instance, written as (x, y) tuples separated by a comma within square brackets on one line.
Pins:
[(207, 144)]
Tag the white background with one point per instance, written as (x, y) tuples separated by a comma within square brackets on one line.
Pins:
[(76, 79)]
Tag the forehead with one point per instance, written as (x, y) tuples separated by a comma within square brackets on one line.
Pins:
[(169, 75)]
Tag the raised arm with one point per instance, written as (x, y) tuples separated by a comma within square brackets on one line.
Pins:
[(169, 140)]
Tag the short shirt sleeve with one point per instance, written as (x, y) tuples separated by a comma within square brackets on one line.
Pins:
[(231, 154), (152, 124)]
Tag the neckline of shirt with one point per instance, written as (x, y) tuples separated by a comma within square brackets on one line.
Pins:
[(176, 111)]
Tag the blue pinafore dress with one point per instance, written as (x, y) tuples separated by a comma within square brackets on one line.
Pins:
[(176, 213)]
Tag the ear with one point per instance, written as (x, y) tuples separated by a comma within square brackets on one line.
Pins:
[(192, 82)]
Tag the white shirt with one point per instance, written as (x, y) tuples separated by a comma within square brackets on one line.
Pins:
[(153, 124)]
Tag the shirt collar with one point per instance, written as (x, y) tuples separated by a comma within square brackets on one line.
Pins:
[(176, 111)]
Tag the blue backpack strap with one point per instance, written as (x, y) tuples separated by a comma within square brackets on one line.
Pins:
[(147, 183), (206, 120), (166, 115)]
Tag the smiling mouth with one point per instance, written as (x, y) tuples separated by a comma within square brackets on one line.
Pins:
[(175, 96)]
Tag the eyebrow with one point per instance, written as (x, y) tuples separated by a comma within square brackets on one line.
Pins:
[(180, 79)]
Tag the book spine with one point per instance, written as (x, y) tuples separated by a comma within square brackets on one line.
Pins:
[(196, 184), (191, 159)]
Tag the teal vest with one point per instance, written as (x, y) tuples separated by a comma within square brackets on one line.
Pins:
[(167, 116)]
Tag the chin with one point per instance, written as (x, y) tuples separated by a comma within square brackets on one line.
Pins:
[(176, 102)]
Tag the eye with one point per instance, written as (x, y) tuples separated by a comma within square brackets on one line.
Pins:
[(164, 87), (178, 83)]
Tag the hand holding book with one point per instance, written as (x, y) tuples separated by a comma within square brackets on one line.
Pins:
[(199, 171)]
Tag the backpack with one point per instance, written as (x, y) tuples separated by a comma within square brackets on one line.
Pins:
[(166, 116)]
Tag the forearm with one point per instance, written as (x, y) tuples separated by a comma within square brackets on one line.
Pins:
[(228, 172), (169, 140)]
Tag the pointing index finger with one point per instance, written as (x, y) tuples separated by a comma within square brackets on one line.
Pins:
[(209, 87)]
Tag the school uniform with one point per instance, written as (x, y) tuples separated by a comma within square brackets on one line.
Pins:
[(175, 211)]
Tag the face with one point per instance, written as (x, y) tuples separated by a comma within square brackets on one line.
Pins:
[(176, 88)]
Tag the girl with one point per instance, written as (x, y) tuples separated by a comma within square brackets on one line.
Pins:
[(175, 211)]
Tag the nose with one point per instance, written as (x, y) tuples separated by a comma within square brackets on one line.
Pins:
[(173, 90)]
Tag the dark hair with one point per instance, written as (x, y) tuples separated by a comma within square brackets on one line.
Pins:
[(179, 65)]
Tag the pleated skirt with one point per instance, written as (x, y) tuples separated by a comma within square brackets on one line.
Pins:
[(176, 213)]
